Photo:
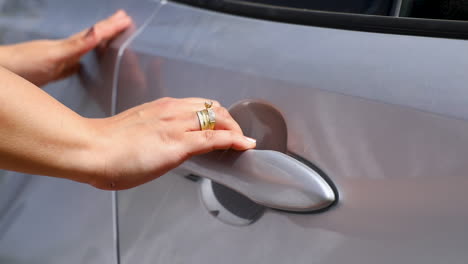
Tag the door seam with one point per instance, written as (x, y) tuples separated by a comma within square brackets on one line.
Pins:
[(115, 78)]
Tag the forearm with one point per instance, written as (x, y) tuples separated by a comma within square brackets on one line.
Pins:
[(8, 58), (39, 135)]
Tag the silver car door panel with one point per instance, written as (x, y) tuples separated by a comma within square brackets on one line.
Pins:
[(384, 116)]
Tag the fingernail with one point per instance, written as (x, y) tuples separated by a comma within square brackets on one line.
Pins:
[(90, 33), (251, 139)]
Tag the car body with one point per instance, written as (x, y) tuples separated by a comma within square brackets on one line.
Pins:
[(379, 111)]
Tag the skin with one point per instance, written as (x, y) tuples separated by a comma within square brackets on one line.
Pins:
[(43, 61), (41, 136)]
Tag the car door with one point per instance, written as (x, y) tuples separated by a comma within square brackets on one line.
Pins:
[(49, 220), (379, 111)]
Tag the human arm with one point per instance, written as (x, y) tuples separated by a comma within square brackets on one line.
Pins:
[(39, 135)]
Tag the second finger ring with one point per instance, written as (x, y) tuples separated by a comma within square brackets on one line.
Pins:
[(203, 119), (207, 119), (211, 117)]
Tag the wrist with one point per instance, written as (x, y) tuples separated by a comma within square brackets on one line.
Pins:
[(91, 163), (83, 159)]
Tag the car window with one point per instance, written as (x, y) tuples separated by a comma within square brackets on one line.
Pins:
[(373, 7), (435, 18)]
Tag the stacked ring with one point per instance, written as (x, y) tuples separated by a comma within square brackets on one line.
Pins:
[(207, 117)]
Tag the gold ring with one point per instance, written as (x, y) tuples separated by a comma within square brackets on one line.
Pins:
[(202, 120), (207, 117), (208, 105)]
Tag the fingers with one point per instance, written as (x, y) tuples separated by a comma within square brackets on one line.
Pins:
[(196, 103), (110, 27), (224, 121), (187, 107), (199, 142), (201, 102), (185, 112), (84, 41)]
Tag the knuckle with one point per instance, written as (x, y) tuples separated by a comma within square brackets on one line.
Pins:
[(141, 113), (72, 42), (209, 135), (223, 113), (192, 117), (168, 102), (216, 103), (164, 99), (232, 135)]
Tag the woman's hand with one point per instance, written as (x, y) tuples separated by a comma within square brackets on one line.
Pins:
[(145, 142), (43, 137), (43, 61)]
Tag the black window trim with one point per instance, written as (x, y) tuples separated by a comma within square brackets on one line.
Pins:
[(359, 22)]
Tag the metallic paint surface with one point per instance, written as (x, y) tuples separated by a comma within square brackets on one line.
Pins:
[(382, 115)]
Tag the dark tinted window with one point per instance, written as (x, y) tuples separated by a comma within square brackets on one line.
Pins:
[(374, 7), (436, 18), (436, 9)]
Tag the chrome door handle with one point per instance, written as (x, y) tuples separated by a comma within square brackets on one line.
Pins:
[(267, 177)]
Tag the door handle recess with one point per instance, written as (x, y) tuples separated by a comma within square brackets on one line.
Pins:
[(269, 178)]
